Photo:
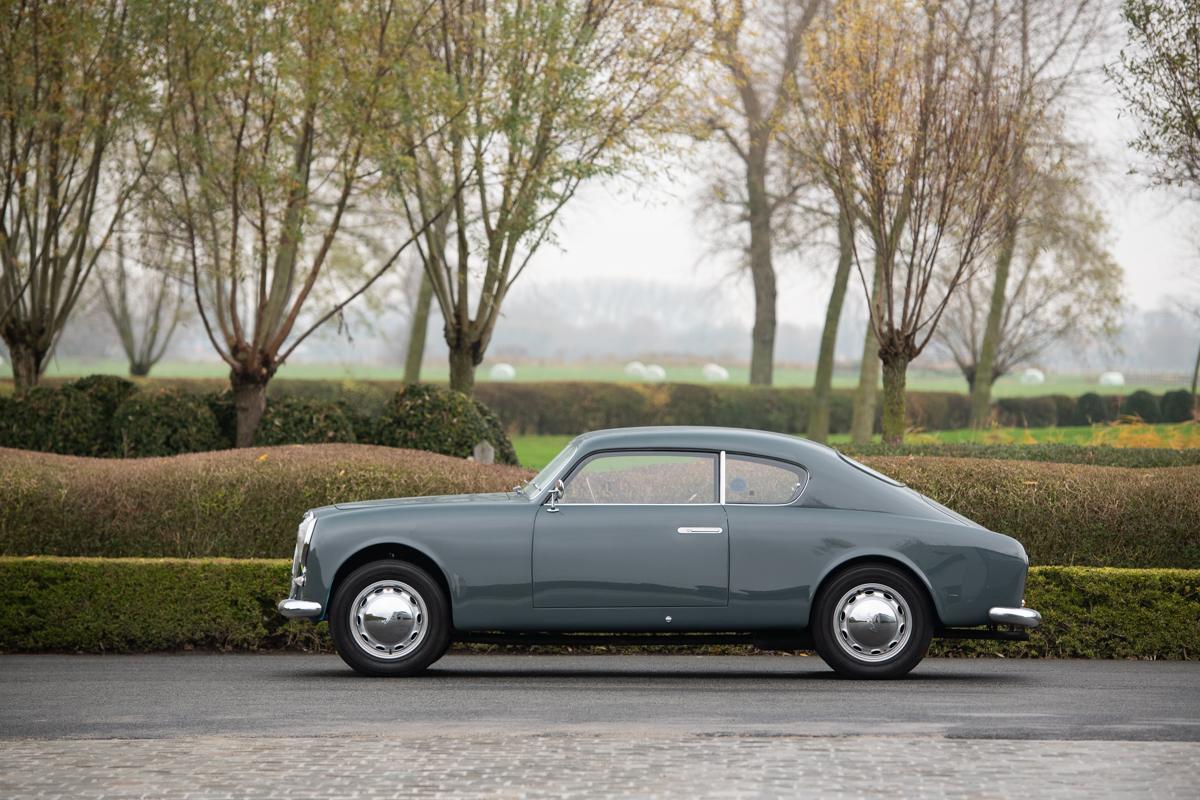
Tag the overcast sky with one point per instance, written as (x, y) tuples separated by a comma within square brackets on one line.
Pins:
[(652, 231)]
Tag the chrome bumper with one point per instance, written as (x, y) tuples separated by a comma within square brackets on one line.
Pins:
[(1021, 617), (299, 608)]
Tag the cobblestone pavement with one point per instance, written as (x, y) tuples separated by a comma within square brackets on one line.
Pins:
[(568, 765)]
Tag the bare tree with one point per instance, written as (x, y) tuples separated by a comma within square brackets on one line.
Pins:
[(529, 101), (271, 106), (73, 93), (920, 135), (1065, 284), (145, 306), (1158, 77), (1051, 37), (756, 49)]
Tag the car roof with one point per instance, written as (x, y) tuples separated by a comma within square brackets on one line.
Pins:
[(737, 440)]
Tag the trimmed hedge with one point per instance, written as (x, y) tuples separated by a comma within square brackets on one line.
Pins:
[(138, 605), (245, 503), (568, 407), (1098, 455), (1069, 514), (294, 420), (1103, 613), (165, 422), (73, 419), (1176, 406), (239, 503), (55, 421), (106, 416), (422, 416)]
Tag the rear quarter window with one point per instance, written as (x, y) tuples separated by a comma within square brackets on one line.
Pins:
[(750, 480)]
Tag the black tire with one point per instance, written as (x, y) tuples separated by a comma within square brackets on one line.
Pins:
[(889, 651), (412, 584)]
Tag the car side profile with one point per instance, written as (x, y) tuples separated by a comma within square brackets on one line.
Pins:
[(663, 535)]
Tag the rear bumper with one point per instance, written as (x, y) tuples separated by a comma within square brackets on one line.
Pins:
[(299, 608), (1021, 617)]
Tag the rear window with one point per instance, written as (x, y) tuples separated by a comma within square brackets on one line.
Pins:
[(864, 468)]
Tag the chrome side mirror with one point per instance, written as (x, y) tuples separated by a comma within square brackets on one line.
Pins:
[(555, 495)]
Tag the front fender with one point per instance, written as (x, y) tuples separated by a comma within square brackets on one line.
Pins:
[(481, 549)]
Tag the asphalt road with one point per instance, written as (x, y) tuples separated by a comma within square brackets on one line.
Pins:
[(189, 695)]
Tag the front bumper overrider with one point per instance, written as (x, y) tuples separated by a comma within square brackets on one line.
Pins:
[(293, 608)]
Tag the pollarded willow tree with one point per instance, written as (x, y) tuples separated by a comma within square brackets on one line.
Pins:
[(77, 127), (755, 51), (1052, 40), (527, 101), (145, 303), (1064, 286), (270, 107), (919, 134), (1158, 77)]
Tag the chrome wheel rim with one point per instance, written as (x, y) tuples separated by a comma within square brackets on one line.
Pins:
[(872, 622), (389, 619)]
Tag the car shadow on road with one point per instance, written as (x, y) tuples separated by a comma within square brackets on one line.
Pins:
[(437, 674)]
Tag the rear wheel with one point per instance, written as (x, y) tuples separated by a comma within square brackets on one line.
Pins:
[(389, 618), (872, 621)]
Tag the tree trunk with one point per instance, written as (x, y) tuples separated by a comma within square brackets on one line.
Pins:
[(419, 328), (27, 365), (139, 369), (862, 425), (250, 401), (818, 415), (981, 391), (762, 270), (1195, 377), (462, 370), (895, 373), (969, 374)]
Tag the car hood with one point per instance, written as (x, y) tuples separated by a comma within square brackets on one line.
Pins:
[(443, 499)]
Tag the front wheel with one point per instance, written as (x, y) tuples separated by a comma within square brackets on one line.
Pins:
[(389, 618), (872, 621)]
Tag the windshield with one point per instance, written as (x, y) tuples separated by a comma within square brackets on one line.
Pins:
[(869, 471), (539, 481)]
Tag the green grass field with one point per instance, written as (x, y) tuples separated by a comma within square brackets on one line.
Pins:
[(535, 452), (918, 379)]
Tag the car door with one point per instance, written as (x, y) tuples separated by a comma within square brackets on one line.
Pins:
[(634, 529), (774, 552)]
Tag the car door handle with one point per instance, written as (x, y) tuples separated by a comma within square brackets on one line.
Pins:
[(698, 530)]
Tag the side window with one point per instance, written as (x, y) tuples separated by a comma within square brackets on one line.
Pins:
[(650, 477), (762, 481)]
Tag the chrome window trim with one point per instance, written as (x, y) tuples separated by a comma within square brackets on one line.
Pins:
[(651, 505), (721, 479), (541, 497)]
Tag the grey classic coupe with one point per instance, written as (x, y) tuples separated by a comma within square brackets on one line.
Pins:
[(669, 535)]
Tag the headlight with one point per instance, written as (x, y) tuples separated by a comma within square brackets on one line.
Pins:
[(304, 536)]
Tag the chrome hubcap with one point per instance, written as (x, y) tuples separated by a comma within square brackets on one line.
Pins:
[(872, 622), (389, 619)]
